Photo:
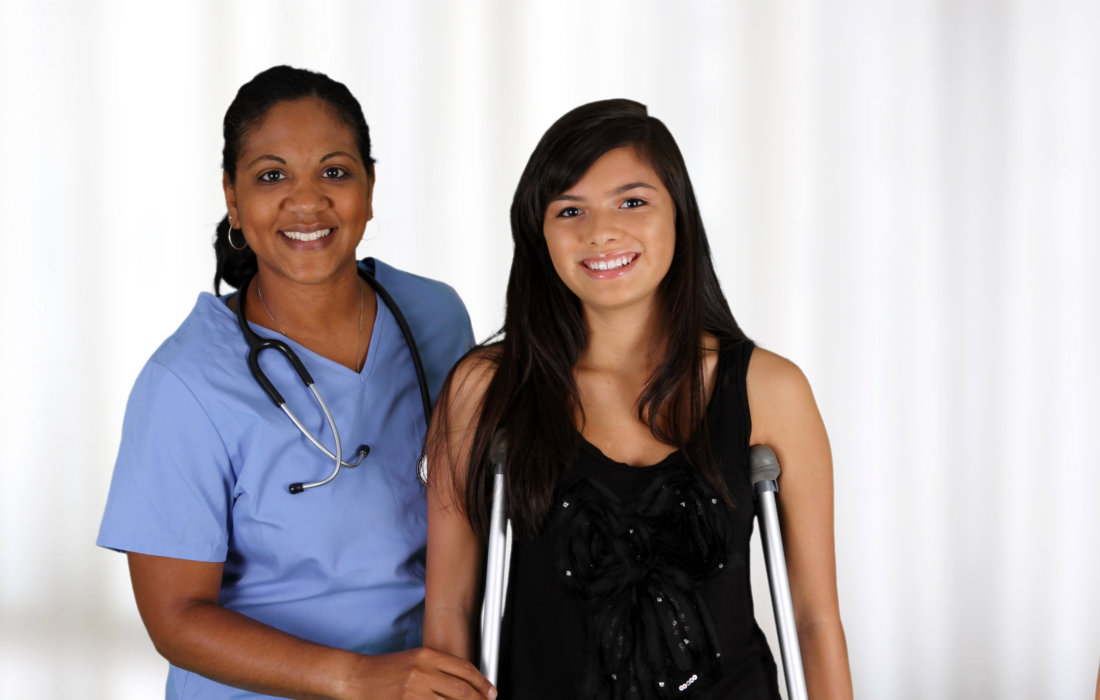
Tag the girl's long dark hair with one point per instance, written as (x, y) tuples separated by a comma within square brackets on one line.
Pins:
[(532, 398), (249, 107)]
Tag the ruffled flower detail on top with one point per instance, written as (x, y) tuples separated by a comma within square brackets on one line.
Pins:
[(650, 634)]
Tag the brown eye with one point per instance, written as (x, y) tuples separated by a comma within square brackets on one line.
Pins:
[(569, 212), (335, 173), (270, 176)]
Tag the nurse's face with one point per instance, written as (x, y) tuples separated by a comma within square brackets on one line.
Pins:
[(303, 193)]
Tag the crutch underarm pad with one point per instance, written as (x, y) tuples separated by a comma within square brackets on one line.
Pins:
[(763, 464)]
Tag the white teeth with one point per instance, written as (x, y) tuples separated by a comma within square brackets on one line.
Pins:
[(612, 264), (312, 236)]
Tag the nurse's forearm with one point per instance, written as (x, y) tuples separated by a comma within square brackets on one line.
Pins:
[(236, 650), (177, 600), (178, 603)]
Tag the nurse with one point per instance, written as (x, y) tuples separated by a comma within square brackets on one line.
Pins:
[(248, 589)]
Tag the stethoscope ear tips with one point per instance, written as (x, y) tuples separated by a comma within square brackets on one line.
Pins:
[(363, 451), (297, 488)]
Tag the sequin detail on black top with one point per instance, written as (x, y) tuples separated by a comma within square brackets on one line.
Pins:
[(637, 569)]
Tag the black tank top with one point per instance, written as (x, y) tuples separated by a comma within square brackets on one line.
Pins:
[(638, 586)]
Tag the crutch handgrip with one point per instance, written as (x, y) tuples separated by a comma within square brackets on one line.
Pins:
[(764, 474)]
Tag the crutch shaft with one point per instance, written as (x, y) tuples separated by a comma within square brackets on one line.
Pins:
[(495, 571), (782, 606), (764, 473)]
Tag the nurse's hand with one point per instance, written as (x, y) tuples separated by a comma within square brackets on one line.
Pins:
[(418, 673)]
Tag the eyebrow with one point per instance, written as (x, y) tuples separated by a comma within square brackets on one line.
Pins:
[(625, 188), (618, 190), (338, 153), (277, 159)]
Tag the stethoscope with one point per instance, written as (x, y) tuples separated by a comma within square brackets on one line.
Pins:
[(257, 344)]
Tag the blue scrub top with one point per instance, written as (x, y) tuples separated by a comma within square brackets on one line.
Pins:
[(206, 459)]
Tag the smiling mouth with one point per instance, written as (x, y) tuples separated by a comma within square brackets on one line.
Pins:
[(306, 237), (614, 263)]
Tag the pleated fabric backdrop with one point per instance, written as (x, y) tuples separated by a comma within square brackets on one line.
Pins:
[(902, 197)]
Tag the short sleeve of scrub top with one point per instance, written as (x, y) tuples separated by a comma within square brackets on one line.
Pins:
[(176, 510), (206, 458)]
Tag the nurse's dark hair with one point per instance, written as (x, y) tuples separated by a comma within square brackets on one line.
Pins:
[(253, 101), (532, 397)]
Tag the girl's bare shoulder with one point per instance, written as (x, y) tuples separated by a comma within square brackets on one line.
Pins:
[(779, 394)]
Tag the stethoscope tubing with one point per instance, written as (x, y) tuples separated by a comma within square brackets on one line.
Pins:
[(257, 344)]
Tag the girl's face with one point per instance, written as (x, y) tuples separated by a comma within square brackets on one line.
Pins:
[(611, 235), (302, 194)]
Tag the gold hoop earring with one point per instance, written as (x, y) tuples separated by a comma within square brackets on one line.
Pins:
[(229, 236)]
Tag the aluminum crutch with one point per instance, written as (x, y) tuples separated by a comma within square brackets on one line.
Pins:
[(496, 566), (764, 472)]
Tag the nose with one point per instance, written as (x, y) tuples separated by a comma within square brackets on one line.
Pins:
[(306, 197), (602, 229)]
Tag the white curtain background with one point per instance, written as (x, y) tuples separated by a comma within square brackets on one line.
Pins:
[(902, 197)]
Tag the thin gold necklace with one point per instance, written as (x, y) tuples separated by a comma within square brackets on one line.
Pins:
[(358, 336)]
